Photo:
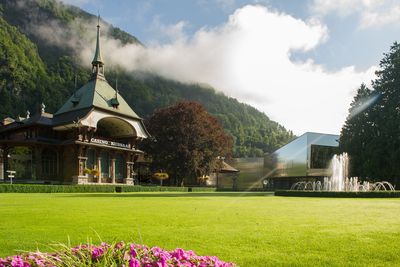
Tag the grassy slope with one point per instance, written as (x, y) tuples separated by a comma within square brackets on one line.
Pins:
[(252, 230)]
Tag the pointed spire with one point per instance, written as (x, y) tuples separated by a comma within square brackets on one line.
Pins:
[(97, 63)]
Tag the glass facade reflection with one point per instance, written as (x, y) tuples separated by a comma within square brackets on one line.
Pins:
[(307, 156)]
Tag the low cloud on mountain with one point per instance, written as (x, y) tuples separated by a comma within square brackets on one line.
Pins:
[(249, 58)]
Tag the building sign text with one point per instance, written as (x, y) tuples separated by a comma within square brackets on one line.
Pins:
[(109, 143)]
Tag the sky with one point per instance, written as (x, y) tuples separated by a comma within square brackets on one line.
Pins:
[(298, 61)]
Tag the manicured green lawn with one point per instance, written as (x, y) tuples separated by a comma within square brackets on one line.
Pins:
[(251, 230)]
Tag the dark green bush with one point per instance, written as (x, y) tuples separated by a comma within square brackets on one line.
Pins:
[(241, 190), (25, 188), (372, 194), (35, 188), (204, 189)]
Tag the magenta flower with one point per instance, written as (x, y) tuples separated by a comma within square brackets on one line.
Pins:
[(120, 254), (134, 263)]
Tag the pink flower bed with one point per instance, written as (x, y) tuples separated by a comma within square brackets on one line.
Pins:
[(119, 254)]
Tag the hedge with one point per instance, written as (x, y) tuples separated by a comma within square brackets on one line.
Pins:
[(35, 188), (203, 189), (227, 189), (139, 188), (371, 194)]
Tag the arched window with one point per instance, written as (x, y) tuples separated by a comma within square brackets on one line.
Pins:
[(114, 128)]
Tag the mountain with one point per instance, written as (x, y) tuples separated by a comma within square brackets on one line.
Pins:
[(37, 66)]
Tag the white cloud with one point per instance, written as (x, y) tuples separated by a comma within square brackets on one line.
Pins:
[(171, 32), (249, 58), (372, 13), (375, 18)]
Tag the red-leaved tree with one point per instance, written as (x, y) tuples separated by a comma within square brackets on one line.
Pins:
[(187, 140)]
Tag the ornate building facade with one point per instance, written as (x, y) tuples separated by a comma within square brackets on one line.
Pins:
[(92, 138)]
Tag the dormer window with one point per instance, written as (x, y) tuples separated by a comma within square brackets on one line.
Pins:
[(75, 102), (114, 103)]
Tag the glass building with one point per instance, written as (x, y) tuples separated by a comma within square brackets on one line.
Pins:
[(305, 158)]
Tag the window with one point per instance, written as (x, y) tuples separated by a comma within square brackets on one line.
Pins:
[(49, 164), (105, 164), (119, 167), (91, 159), (321, 156)]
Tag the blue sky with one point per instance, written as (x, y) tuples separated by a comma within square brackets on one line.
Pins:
[(323, 49)]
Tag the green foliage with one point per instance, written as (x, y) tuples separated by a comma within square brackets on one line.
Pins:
[(187, 141), (371, 132), (34, 70), (373, 194), (22, 188), (36, 188), (22, 72)]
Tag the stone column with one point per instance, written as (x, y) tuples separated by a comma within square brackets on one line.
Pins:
[(82, 164), (113, 170), (129, 173), (80, 178), (99, 169)]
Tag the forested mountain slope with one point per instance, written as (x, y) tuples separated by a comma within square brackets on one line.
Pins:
[(34, 70)]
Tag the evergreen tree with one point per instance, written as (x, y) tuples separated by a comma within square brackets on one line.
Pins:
[(371, 133), (355, 132)]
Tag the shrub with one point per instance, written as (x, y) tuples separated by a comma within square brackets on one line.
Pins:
[(25, 188), (117, 254), (35, 188)]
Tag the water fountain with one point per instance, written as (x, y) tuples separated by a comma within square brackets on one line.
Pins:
[(339, 166), (339, 181)]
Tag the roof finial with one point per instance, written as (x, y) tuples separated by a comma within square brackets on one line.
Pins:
[(42, 108), (97, 63)]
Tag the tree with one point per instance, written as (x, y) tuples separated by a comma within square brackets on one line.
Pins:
[(372, 134), (186, 141), (355, 131)]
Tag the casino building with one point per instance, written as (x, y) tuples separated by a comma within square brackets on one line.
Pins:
[(92, 138)]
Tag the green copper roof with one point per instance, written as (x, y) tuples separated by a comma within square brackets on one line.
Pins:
[(99, 94)]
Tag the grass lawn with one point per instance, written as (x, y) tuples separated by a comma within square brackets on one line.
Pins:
[(249, 229)]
